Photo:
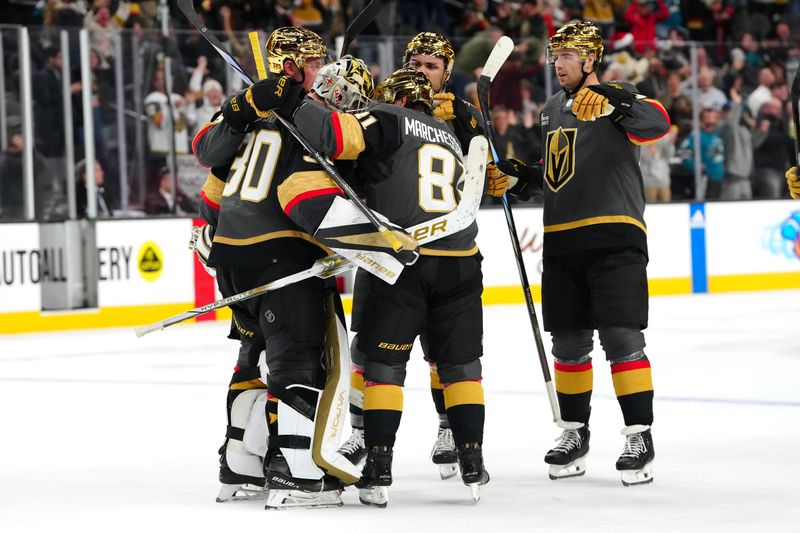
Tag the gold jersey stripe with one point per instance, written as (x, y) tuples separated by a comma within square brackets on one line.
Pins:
[(357, 381), (632, 381), (383, 397), (352, 137), (449, 253), (613, 219), (249, 385), (269, 236), (574, 382), (463, 393), (303, 182), (213, 187)]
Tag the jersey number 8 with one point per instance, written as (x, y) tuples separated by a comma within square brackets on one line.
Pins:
[(437, 169)]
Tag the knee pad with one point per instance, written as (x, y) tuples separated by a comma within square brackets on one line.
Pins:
[(463, 371), (571, 345), (392, 373), (246, 435), (621, 344)]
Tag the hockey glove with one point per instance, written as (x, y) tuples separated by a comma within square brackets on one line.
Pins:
[(443, 106), (793, 180), (497, 181), (525, 180), (200, 242), (608, 99), (244, 108)]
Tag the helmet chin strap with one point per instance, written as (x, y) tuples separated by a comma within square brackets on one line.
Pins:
[(571, 92)]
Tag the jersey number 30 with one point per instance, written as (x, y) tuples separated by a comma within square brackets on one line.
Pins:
[(437, 170), (253, 170)]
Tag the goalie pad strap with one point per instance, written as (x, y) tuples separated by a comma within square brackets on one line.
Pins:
[(234, 433), (295, 442), (292, 399)]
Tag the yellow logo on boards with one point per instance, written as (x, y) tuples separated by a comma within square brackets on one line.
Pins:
[(150, 261)]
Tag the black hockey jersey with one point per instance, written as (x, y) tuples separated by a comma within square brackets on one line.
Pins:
[(594, 195), (410, 164)]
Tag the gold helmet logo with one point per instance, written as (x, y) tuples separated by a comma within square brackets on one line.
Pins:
[(406, 82), (431, 44), (581, 36), (297, 44), (560, 164)]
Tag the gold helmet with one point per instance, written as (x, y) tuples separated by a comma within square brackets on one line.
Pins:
[(297, 44), (581, 36), (406, 82), (431, 44)]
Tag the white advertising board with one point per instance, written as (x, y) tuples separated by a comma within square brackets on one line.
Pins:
[(752, 237), (144, 262), (668, 241), (23, 267)]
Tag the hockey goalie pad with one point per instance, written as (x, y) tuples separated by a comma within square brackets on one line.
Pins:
[(240, 457), (256, 431)]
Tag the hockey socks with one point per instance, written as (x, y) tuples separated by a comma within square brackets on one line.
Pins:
[(357, 398), (437, 393), (574, 389), (383, 407), (466, 411), (633, 384)]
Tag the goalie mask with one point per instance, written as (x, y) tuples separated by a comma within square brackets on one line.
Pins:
[(432, 44), (406, 82), (345, 85), (297, 44), (584, 37)]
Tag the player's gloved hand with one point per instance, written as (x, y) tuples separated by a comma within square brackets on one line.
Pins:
[(793, 180), (607, 99), (443, 106), (201, 241), (496, 181), (243, 109), (524, 180)]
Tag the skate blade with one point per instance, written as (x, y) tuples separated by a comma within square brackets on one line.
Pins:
[(574, 469), (297, 499), (448, 471), (239, 493), (374, 496), (475, 489), (637, 477)]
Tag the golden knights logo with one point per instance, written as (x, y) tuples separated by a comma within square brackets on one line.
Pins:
[(560, 163)]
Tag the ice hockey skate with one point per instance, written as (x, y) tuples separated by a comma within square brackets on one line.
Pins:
[(470, 459), (568, 458), (287, 492), (444, 454), (353, 448), (376, 478), (238, 487), (636, 462)]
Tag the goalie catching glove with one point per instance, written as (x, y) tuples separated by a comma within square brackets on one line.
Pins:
[(201, 241), (793, 180), (607, 99), (282, 94)]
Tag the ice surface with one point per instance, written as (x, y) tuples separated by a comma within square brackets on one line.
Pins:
[(102, 431)]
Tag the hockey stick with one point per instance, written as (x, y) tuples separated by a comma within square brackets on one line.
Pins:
[(187, 8), (456, 220), (795, 96), (498, 56), (359, 23)]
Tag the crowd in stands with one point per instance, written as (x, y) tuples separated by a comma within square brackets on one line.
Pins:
[(746, 57)]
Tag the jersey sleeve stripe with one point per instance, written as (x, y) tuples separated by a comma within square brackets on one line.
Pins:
[(349, 136), (196, 139), (211, 192), (208, 201), (304, 185), (640, 140)]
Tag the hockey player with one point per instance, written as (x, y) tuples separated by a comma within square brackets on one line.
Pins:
[(433, 55), (256, 199), (793, 181), (595, 247), (440, 293)]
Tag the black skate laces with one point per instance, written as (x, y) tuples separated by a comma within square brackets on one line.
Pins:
[(634, 446), (568, 440)]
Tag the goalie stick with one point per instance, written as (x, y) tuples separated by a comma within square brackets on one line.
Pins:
[(359, 23), (498, 56), (187, 8), (456, 220)]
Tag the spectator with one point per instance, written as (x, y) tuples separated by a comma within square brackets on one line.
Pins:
[(601, 13), (506, 90), (81, 194), (712, 153), (473, 20), (474, 53), (678, 105), (656, 81), (212, 100), (164, 202), (710, 96), (161, 124), (770, 155), (642, 16), (654, 162), (533, 28), (737, 138), (722, 17), (763, 92), (753, 58)]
